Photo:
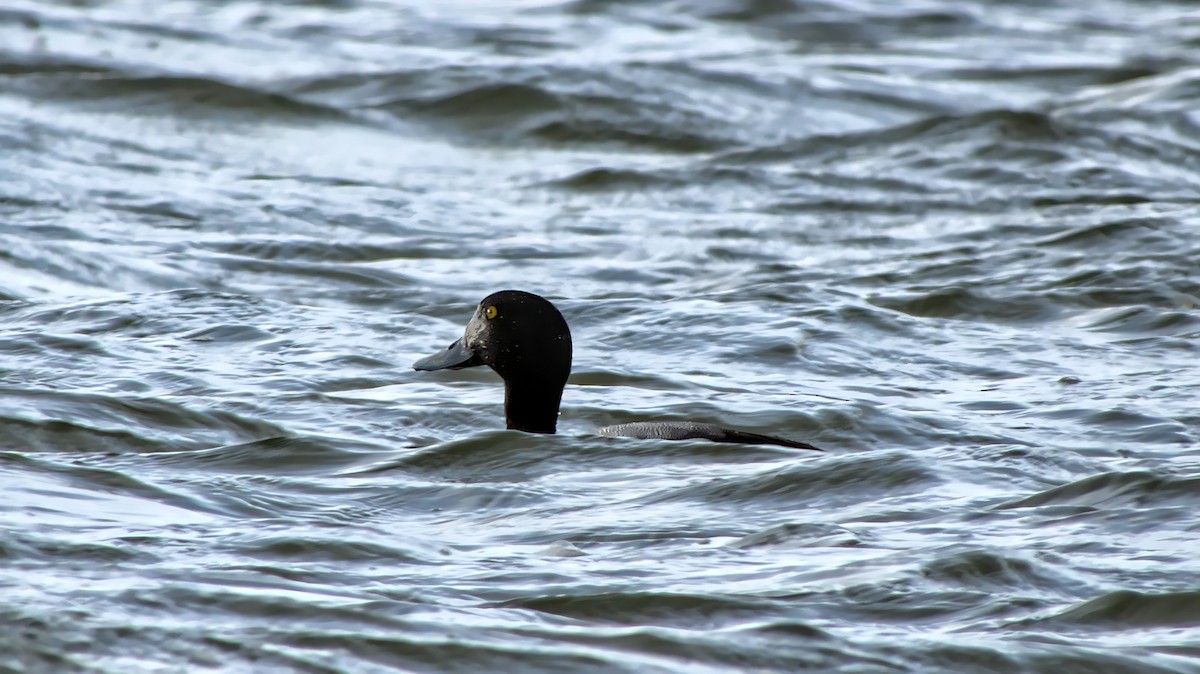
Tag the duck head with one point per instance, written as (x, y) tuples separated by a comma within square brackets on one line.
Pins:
[(525, 339)]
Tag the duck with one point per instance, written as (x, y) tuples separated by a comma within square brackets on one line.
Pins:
[(524, 338)]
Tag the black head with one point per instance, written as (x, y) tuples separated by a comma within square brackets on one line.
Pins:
[(526, 341)]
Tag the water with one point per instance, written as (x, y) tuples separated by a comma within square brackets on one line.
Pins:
[(954, 244)]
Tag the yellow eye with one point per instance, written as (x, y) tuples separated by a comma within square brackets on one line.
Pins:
[(490, 312)]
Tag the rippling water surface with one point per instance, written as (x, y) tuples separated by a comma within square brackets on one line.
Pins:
[(956, 244)]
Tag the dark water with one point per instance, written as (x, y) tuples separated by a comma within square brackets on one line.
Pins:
[(957, 244)]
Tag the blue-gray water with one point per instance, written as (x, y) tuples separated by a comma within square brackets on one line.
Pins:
[(956, 244)]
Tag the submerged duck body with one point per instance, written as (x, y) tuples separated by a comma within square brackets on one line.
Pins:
[(525, 339)]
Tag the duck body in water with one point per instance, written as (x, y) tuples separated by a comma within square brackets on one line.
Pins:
[(525, 339)]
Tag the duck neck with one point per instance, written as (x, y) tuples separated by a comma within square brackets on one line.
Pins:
[(532, 407)]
